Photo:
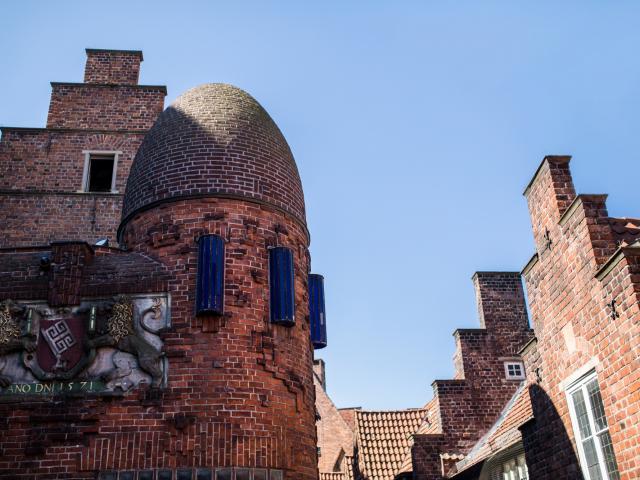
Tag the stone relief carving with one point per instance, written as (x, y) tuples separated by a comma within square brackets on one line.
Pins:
[(102, 345)]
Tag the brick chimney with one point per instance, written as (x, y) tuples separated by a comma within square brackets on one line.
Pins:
[(121, 67), (500, 299), (318, 369), (68, 260)]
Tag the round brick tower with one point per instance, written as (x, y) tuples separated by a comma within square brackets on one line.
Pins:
[(240, 385)]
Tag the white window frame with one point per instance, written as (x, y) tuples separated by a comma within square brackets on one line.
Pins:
[(515, 466), (508, 375), (581, 384), (87, 161)]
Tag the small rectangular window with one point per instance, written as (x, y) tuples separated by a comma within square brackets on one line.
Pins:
[(260, 474), (591, 429), (204, 474), (514, 370), (242, 474), (184, 474), (100, 171), (223, 474)]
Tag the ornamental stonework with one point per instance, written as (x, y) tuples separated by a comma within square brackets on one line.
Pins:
[(102, 346)]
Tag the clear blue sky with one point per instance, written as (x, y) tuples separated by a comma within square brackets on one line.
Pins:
[(415, 125)]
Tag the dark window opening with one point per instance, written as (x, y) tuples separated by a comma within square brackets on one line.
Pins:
[(100, 173)]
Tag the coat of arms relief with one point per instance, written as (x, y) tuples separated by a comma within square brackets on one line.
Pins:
[(101, 345)]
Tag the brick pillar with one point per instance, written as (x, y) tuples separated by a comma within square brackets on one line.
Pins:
[(500, 299), (318, 369), (549, 194), (120, 67), (65, 277)]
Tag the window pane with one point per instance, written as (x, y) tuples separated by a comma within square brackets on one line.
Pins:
[(609, 457), (597, 407), (592, 460), (100, 173), (223, 474), (242, 474), (522, 468), (276, 475), (260, 474), (581, 414), (509, 470)]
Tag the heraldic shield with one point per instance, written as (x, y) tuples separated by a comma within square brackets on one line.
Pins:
[(62, 350)]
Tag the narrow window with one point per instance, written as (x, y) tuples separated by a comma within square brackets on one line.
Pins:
[(100, 171), (592, 430), (281, 286), (514, 370), (210, 276), (317, 311)]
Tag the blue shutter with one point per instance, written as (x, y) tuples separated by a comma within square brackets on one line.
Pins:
[(317, 316), (210, 279), (281, 286)]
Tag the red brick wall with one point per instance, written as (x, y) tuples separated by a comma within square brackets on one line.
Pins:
[(112, 66), (266, 369), (240, 390), (334, 434), (52, 160), (573, 323), (466, 407), (42, 218), (41, 169), (425, 456), (109, 107)]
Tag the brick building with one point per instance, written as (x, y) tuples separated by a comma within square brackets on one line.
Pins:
[(156, 308), (55, 181), (432, 438), (561, 401), (154, 303)]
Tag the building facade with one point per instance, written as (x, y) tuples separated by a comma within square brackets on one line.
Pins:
[(154, 315), (55, 182), (158, 315), (560, 401)]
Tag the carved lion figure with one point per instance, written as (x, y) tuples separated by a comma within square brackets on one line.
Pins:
[(121, 334), (11, 337)]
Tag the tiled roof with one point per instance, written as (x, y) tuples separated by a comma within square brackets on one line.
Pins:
[(505, 432), (384, 439), (625, 230), (429, 424), (332, 476), (111, 272)]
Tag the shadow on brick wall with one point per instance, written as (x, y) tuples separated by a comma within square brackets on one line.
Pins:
[(550, 452)]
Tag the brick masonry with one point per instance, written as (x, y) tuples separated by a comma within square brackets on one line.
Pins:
[(465, 407), (120, 67), (41, 169), (239, 391), (583, 263), (234, 148), (335, 435)]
